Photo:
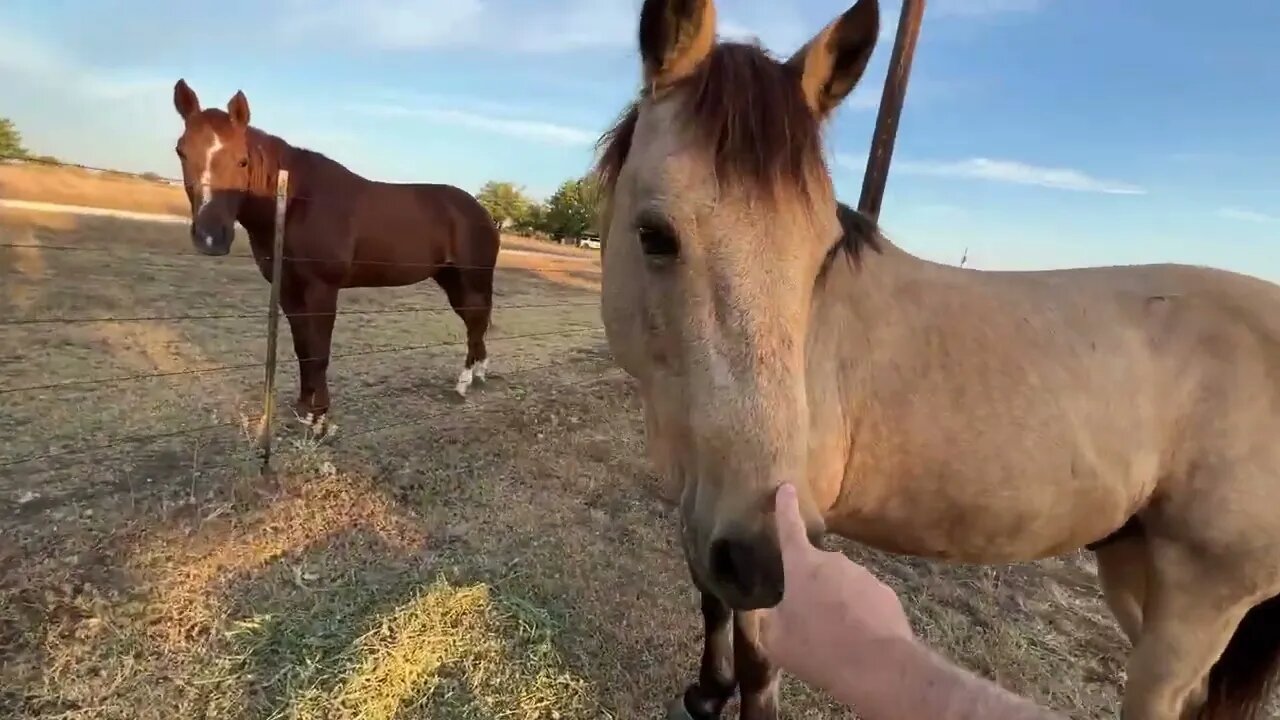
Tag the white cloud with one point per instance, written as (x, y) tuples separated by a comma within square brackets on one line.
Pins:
[(1253, 216), (1019, 173), (975, 8), (535, 130), (775, 26), (550, 26), (32, 61), (562, 25), (393, 24)]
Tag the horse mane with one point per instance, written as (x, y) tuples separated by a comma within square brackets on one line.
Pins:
[(749, 111), (858, 232), (266, 156)]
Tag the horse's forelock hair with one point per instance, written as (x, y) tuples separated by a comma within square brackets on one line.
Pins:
[(749, 110)]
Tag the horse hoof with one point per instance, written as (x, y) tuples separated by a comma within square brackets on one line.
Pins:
[(461, 389), (322, 428), (677, 711), (308, 420)]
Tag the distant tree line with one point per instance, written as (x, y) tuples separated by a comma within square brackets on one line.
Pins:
[(11, 141), (570, 212), (11, 146)]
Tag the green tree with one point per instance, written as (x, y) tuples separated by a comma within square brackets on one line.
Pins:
[(506, 203), (533, 222), (10, 140), (571, 210)]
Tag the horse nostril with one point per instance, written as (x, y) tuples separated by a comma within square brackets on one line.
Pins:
[(732, 563), (748, 571)]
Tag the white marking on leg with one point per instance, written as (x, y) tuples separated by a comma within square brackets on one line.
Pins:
[(464, 381), (480, 369)]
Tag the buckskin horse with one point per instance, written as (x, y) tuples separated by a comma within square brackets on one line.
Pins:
[(341, 231), (989, 417)]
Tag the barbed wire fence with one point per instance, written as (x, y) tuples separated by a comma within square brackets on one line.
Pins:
[(874, 181), (75, 455)]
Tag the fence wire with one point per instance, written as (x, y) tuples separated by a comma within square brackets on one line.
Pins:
[(550, 263), (451, 410), (296, 259), (182, 183), (259, 364), (262, 314)]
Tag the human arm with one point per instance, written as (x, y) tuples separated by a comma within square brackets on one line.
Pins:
[(840, 629), (902, 678)]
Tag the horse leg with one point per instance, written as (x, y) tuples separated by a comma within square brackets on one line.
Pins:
[(1193, 607), (470, 293), (322, 309), (295, 310), (705, 699), (478, 285), (757, 677), (1122, 573)]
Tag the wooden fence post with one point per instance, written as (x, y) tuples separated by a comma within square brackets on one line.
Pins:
[(273, 322), (895, 91)]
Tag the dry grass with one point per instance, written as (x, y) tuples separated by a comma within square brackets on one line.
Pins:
[(500, 558), (73, 186)]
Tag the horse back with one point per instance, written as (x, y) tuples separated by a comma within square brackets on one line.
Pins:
[(1219, 332), (404, 233)]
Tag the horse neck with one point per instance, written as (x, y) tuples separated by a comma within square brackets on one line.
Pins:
[(865, 305), (269, 155)]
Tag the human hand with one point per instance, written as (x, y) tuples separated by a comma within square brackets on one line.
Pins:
[(833, 611)]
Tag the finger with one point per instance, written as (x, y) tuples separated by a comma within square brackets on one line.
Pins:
[(770, 631), (791, 529)]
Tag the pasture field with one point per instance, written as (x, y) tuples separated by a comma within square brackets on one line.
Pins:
[(500, 557)]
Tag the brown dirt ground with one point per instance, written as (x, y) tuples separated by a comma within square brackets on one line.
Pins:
[(500, 557)]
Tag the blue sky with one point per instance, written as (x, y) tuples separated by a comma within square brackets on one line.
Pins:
[(1037, 133)]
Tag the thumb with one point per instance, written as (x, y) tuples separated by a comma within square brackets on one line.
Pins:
[(792, 534)]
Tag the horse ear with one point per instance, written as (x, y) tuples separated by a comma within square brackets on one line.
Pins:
[(238, 109), (185, 100), (832, 62), (675, 37)]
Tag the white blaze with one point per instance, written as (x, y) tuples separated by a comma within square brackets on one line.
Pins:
[(206, 176)]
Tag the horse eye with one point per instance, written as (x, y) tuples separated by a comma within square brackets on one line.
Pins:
[(244, 162), (658, 243)]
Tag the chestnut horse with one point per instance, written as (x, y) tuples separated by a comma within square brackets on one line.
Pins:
[(992, 417), (341, 231)]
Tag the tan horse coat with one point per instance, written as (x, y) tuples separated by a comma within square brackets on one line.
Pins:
[(921, 408)]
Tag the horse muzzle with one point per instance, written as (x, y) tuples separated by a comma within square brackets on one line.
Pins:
[(212, 241), (746, 570)]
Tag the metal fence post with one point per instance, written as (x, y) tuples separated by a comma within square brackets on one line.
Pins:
[(273, 322), (895, 91)]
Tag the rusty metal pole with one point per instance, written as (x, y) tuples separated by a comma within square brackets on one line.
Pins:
[(895, 92), (273, 322)]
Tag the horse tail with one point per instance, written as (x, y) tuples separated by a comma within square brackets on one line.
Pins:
[(1241, 682)]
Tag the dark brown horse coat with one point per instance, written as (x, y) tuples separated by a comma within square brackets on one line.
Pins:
[(341, 231)]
